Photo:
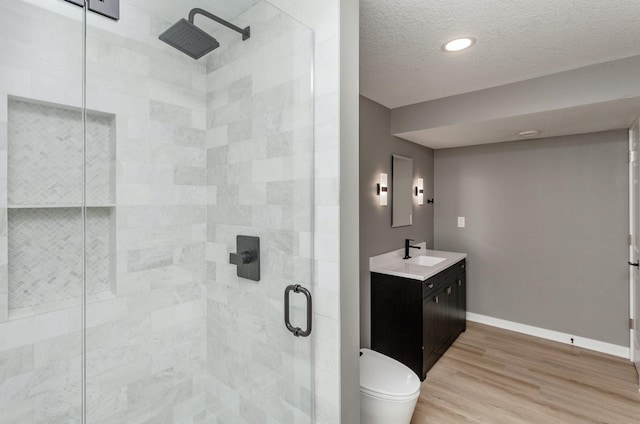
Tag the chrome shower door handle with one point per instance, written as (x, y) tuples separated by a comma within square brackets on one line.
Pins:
[(297, 331)]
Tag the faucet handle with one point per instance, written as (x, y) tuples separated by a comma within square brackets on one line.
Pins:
[(241, 258)]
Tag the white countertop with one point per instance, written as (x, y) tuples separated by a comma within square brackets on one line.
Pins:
[(392, 263)]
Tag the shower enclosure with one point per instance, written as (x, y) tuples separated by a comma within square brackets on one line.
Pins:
[(127, 170)]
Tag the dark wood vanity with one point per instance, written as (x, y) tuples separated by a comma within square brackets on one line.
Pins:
[(415, 321)]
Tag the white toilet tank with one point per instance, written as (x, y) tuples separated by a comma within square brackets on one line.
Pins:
[(389, 390)]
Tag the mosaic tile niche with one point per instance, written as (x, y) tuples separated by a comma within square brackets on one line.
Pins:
[(44, 193)]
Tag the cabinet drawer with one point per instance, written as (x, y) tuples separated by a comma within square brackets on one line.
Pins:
[(460, 267), (439, 280), (433, 284), (429, 287)]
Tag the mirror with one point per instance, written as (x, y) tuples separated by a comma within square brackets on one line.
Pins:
[(402, 191)]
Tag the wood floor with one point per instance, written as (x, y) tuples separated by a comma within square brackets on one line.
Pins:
[(496, 376)]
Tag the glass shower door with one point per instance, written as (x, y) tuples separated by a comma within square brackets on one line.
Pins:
[(183, 156), (41, 212), (260, 171)]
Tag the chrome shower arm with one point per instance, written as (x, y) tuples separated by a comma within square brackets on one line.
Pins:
[(246, 33)]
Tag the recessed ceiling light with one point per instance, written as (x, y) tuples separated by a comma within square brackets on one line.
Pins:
[(529, 133), (458, 44)]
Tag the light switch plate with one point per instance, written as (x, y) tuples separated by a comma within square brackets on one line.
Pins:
[(108, 8), (461, 222)]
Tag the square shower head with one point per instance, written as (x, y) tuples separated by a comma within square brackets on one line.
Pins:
[(189, 39)]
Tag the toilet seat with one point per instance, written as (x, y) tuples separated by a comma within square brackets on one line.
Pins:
[(382, 377), (390, 398)]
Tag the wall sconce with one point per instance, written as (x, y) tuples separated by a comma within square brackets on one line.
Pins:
[(383, 188), (420, 191)]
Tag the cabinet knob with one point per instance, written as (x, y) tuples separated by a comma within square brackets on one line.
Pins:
[(459, 282), (436, 299), (462, 266), (449, 290), (430, 286)]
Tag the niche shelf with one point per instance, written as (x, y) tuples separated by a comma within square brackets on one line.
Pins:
[(44, 194), (45, 155)]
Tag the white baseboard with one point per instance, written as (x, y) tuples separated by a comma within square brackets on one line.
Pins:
[(556, 336)]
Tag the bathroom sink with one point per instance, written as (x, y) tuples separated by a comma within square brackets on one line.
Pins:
[(425, 263), (425, 260)]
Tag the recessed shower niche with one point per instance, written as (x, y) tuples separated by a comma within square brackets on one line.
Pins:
[(45, 200)]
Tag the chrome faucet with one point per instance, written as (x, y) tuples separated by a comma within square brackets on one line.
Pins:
[(407, 246)]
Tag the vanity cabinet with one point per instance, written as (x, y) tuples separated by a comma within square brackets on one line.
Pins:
[(415, 321)]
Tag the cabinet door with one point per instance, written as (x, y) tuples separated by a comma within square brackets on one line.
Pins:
[(450, 313), (432, 323)]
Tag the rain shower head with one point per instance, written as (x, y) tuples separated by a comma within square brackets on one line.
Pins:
[(189, 39), (194, 42)]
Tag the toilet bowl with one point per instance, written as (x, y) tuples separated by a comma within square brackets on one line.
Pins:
[(389, 390)]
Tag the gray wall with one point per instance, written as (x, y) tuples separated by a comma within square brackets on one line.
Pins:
[(376, 235), (547, 224)]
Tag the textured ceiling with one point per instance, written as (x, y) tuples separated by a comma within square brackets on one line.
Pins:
[(402, 62)]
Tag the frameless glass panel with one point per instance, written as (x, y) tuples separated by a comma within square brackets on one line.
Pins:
[(41, 219), (146, 227), (260, 164), (183, 156)]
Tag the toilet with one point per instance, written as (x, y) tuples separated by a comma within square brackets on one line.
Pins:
[(389, 390)]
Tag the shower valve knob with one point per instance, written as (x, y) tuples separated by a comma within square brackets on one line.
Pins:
[(241, 258)]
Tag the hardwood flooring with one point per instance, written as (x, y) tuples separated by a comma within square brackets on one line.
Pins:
[(496, 376)]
